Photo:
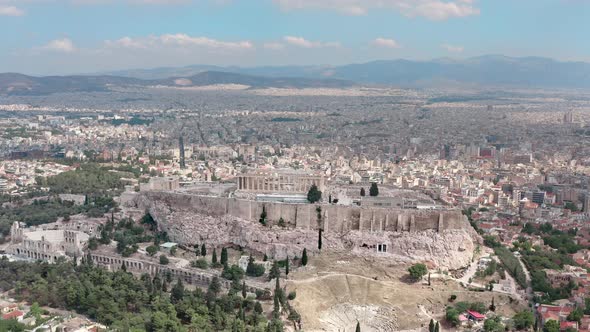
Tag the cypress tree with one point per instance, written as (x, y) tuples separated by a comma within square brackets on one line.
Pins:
[(274, 272), (304, 257), (177, 292), (320, 239), (358, 327), (374, 190), (287, 266), (224, 256), (244, 289), (437, 327), (258, 308), (362, 192), (431, 325), (203, 250)]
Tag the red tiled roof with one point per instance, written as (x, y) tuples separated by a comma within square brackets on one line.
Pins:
[(565, 325), (475, 314), (13, 314)]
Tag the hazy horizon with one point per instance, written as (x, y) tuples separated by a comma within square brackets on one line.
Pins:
[(85, 36)]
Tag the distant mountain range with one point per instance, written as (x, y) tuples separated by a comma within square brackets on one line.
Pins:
[(18, 84), (489, 70)]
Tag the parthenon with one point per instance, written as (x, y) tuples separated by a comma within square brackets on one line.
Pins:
[(280, 181)]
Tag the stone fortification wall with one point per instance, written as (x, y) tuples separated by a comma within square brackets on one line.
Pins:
[(443, 238), (335, 218)]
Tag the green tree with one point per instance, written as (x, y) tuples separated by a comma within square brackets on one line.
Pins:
[(93, 243), (551, 326), (262, 219), (363, 193), (358, 327), (35, 311), (253, 269), (177, 292), (200, 263), (576, 315), (571, 206), (304, 257), (258, 308), (374, 190), (493, 325), (151, 250), (287, 266), (203, 250), (274, 272), (431, 325), (452, 316), (523, 319), (417, 271), (314, 194), (224, 256), (214, 286), (437, 327), (11, 325), (164, 260)]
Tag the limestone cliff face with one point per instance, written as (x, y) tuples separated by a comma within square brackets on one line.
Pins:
[(447, 249)]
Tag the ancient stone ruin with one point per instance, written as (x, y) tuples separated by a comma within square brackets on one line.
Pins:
[(443, 237)]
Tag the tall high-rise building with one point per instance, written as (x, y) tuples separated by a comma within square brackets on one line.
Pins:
[(568, 117), (181, 147), (587, 203)]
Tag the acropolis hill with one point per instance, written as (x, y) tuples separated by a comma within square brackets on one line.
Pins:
[(442, 237)]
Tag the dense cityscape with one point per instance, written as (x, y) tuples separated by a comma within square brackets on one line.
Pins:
[(87, 186), (294, 165)]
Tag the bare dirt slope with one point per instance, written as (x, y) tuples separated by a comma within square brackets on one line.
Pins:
[(336, 291)]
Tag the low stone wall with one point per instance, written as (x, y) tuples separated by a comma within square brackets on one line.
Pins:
[(334, 218), (189, 276)]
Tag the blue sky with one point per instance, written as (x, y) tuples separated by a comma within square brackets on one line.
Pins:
[(79, 36)]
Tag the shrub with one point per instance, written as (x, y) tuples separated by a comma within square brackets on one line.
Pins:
[(417, 271), (200, 263), (292, 295)]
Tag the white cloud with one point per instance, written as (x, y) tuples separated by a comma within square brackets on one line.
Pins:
[(432, 9), (453, 48), (274, 46), (125, 42), (182, 39), (64, 45), (179, 40), (302, 42), (384, 42), (136, 2), (11, 11)]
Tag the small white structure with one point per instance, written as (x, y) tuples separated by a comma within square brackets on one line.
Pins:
[(243, 263), (166, 247)]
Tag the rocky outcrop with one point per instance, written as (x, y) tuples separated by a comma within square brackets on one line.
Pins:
[(447, 249)]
